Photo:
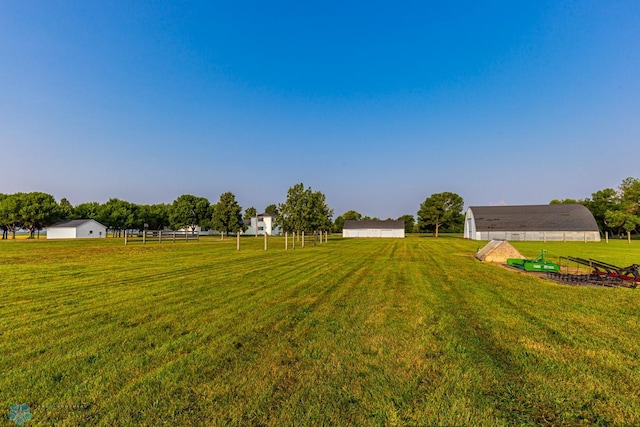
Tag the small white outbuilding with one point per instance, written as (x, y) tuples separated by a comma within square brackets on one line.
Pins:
[(76, 229), (373, 228)]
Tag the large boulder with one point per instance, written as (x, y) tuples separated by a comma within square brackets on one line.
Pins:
[(498, 251)]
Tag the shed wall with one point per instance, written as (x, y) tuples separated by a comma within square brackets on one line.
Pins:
[(373, 232), (61, 233), (538, 236), (90, 230)]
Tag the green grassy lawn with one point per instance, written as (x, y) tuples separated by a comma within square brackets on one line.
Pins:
[(354, 332)]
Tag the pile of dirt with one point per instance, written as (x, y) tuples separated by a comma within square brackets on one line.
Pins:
[(498, 251)]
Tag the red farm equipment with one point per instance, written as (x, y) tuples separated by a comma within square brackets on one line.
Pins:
[(596, 272)]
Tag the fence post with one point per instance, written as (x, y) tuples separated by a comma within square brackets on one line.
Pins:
[(144, 236), (174, 236), (238, 244), (265, 240), (125, 237), (303, 239), (629, 237), (606, 236), (294, 240), (286, 240), (159, 236)]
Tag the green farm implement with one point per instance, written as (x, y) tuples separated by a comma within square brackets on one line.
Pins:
[(536, 264)]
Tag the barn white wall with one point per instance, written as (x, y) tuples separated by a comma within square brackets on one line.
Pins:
[(61, 233), (91, 229), (539, 236), (373, 232), (470, 225)]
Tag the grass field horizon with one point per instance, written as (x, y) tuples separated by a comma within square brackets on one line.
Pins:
[(354, 332)]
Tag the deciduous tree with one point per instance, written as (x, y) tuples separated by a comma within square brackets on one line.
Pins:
[(118, 215), (227, 214), (250, 212), (66, 209), (87, 210), (189, 211), (409, 223), (3, 221), (441, 209), (627, 216), (37, 211), (272, 209), (600, 202), (10, 216), (155, 216), (304, 210), (352, 216)]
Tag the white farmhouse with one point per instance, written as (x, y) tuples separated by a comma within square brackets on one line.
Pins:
[(76, 229), (373, 228), (261, 225)]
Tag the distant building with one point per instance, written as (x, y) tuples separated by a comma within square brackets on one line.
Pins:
[(76, 229), (197, 230), (262, 224), (373, 228), (563, 222)]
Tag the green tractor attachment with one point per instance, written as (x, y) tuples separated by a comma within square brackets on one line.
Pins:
[(537, 264)]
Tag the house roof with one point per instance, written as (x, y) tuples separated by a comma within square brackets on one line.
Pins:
[(563, 217), (72, 223), (372, 223)]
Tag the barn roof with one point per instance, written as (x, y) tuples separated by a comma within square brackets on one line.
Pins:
[(372, 223), (72, 223), (563, 217)]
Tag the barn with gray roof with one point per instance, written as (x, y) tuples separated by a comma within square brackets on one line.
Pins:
[(564, 222), (373, 228), (76, 229)]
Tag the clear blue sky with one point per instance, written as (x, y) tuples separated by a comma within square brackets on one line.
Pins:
[(376, 104)]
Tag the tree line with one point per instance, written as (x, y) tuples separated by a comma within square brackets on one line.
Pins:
[(304, 210), (616, 211), (36, 211), (439, 212)]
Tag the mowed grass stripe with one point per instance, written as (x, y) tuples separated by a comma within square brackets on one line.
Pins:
[(255, 337), (360, 332)]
